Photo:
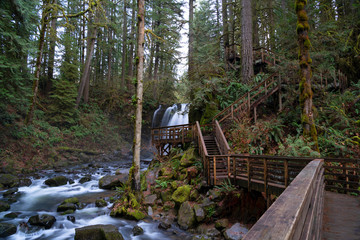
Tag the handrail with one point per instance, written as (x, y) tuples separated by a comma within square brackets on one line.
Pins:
[(181, 125), (201, 142), (219, 134), (297, 213)]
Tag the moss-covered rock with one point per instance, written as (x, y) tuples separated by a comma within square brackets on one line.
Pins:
[(104, 232), (186, 216), (43, 220), (9, 181), (73, 200), (4, 206), (100, 203), (167, 173), (199, 213), (166, 195), (65, 207), (221, 224), (112, 181), (182, 194), (7, 229), (188, 158), (56, 181), (128, 207)]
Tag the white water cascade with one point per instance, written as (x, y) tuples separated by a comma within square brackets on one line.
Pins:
[(177, 114)]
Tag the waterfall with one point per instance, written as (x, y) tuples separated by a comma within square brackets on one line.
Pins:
[(177, 114)]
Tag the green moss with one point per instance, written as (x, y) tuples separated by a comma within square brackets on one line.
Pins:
[(182, 194), (73, 200), (309, 60), (307, 43), (299, 6), (68, 212), (210, 111), (302, 16), (306, 26), (299, 28), (143, 182)]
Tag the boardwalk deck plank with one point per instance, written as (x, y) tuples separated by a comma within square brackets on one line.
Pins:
[(341, 217)]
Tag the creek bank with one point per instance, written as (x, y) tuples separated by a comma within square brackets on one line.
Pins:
[(175, 194)]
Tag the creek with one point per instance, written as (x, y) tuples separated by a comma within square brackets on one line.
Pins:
[(39, 198)]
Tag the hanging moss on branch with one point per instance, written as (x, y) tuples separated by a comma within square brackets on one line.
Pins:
[(306, 94)]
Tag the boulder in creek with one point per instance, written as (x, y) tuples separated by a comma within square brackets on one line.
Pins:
[(10, 192), (56, 181), (4, 206), (25, 182), (12, 215), (112, 181), (43, 220), (9, 181), (69, 204), (94, 232), (7, 229), (71, 218), (186, 216), (85, 179), (236, 232), (137, 231), (100, 203), (165, 224)]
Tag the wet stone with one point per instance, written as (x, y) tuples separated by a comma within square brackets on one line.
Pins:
[(71, 218), (12, 215), (137, 231), (7, 229)]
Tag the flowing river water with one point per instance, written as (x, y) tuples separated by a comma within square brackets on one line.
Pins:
[(39, 198)]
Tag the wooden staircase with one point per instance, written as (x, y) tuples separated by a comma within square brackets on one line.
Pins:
[(249, 102), (211, 145)]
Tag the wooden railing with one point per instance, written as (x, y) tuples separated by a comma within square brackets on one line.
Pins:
[(266, 56), (171, 134), (297, 213), (274, 173), (250, 100), (221, 140)]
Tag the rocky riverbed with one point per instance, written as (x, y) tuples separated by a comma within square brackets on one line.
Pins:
[(54, 204)]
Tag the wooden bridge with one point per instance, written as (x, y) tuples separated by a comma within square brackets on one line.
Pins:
[(304, 210)]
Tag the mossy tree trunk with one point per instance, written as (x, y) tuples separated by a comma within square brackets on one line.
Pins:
[(139, 94), (43, 26), (306, 102)]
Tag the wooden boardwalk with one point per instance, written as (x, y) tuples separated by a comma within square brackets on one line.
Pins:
[(341, 217)]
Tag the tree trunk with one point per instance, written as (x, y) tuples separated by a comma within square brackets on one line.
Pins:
[(44, 22), (247, 69), (51, 61), (124, 37), (225, 32), (85, 77), (232, 47), (256, 41), (139, 94), (191, 40), (271, 24), (131, 51), (306, 103)]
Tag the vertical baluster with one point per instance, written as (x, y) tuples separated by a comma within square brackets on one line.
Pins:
[(214, 159), (234, 168), (249, 174), (286, 172), (228, 164)]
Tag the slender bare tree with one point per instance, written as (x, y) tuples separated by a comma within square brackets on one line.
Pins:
[(139, 93)]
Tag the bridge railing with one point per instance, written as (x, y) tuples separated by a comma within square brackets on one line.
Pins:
[(171, 134), (297, 213), (263, 173)]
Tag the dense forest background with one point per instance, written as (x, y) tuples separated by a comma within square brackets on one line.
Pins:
[(67, 73)]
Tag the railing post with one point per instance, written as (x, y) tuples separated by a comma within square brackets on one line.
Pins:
[(279, 86), (214, 159), (286, 172), (248, 173), (255, 115), (234, 169), (228, 163)]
